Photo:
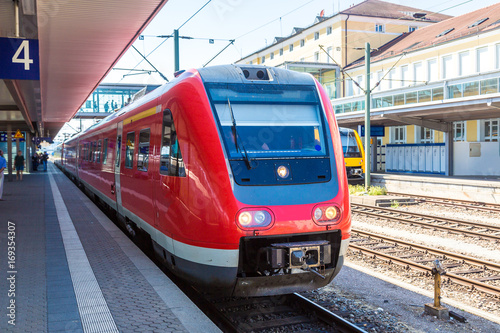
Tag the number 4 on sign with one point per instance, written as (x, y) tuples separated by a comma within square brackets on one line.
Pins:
[(25, 45)]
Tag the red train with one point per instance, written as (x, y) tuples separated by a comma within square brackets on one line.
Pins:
[(235, 172)]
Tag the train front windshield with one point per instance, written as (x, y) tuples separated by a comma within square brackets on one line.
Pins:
[(349, 143), (269, 121)]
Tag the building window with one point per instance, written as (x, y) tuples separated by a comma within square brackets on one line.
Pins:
[(432, 70), (263, 59), (349, 88), (316, 35), (418, 73), (426, 135), (129, 150), (497, 60), (411, 29), (291, 47), (491, 130), (88, 104), (302, 42), (271, 56), (329, 30), (459, 131), (329, 52), (281, 52), (143, 153), (399, 134), (464, 67), (316, 56), (359, 80), (380, 75), (447, 67), (404, 76), (390, 78), (483, 64), (379, 27)]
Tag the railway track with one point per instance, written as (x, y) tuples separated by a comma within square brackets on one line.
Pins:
[(473, 229), (464, 270), (482, 206), (291, 312), (252, 314)]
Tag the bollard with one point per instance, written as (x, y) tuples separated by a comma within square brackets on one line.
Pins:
[(436, 309)]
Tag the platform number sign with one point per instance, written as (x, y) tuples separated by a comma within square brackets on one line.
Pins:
[(24, 47), (19, 59)]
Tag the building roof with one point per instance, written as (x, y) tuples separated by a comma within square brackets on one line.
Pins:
[(371, 8), (473, 23), (378, 8)]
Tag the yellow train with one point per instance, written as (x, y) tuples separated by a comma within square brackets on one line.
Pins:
[(354, 154)]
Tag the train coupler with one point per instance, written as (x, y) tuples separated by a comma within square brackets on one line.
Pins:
[(309, 256)]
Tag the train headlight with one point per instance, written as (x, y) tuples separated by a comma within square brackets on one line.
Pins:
[(331, 213), (283, 171), (318, 214), (254, 218), (327, 214), (259, 217), (245, 219)]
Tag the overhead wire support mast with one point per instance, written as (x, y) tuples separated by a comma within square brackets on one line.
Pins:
[(161, 74)]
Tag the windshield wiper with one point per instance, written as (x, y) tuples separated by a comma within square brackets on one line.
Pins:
[(248, 161)]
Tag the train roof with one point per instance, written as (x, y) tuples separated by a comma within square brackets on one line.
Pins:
[(254, 74), (247, 74)]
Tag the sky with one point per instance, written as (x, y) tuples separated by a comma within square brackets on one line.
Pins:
[(252, 24)]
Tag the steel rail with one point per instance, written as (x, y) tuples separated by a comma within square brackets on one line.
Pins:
[(430, 224), (483, 206), (327, 316), (474, 284), (231, 321)]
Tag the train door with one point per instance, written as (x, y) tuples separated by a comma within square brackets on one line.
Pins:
[(117, 167)]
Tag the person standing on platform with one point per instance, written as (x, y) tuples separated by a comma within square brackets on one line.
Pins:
[(45, 157), (34, 160), (3, 166), (19, 164)]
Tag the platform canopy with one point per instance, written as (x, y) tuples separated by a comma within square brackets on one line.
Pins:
[(79, 43)]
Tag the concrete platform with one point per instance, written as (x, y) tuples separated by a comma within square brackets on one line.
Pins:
[(72, 269), (481, 189), (381, 200)]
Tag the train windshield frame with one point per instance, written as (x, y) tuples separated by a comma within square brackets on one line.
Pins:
[(269, 121), (349, 143)]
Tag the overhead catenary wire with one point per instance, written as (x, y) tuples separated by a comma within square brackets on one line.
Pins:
[(142, 55), (341, 68)]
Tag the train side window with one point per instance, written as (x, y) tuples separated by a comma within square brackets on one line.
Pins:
[(171, 162), (94, 151), (98, 153), (87, 151), (129, 150), (91, 156), (105, 151), (118, 150), (143, 154)]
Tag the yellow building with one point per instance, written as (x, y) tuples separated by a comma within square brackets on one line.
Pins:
[(341, 35), (438, 82)]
